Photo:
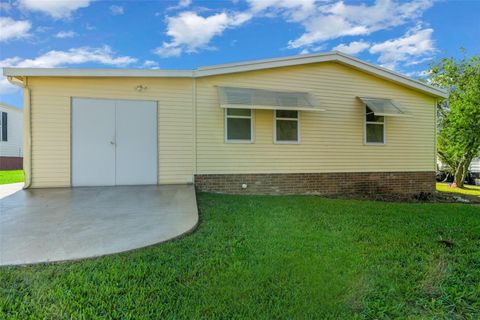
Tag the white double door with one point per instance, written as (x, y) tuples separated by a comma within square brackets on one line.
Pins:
[(114, 142)]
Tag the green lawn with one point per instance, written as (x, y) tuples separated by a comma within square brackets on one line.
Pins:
[(274, 257), (11, 176), (468, 190)]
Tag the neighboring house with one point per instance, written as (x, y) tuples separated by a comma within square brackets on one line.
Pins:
[(11, 137), (322, 123), (475, 167)]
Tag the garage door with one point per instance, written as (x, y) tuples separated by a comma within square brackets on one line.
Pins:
[(114, 142)]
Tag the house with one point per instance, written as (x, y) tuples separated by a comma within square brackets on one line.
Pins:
[(475, 170), (310, 124), (11, 137)]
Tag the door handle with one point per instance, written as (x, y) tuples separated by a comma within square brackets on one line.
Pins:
[(112, 143)]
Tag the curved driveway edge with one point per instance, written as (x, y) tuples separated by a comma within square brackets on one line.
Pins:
[(47, 225)]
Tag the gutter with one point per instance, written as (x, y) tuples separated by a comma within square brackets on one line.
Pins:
[(221, 69), (27, 128)]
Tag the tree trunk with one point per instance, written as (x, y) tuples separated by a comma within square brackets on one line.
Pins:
[(461, 171), (458, 177)]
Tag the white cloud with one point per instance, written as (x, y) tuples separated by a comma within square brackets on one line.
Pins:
[(6, 87), (75, 56), (168, 50), (184, 3), (90, 27), (325, 20), (293, 10), (339, 19), (56, 8), (150, 64), (116, 10), (191, 32), (103, 55), (353, 47), (13, 29), (65, 34), (322, 20), (416, 43)]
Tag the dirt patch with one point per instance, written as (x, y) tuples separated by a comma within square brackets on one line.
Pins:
[(436, 197)]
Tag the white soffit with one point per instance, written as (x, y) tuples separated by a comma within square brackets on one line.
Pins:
[(334, 56)]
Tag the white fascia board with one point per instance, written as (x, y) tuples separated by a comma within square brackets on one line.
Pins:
[(77, 72), (334, 56), (264, 64)]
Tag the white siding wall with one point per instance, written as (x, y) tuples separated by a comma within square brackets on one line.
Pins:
[(50, 104), (14, 146), (475, 165)]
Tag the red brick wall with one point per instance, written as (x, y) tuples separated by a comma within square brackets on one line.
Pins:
[(319, 183), (11, 163)]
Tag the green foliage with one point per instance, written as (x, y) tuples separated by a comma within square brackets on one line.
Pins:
[(266, 257), (459, 116), (11, 176)]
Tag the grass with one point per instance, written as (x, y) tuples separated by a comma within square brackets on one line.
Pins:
[(11, 176), (466, 190), (274, 257)]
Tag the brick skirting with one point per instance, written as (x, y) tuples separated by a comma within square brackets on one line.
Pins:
[(319, 183), (11, 163)]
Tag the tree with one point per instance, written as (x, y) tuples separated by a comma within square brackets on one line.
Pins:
[(458, 117)]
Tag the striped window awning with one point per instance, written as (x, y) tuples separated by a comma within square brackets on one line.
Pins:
[(248, 98), (383, 107)]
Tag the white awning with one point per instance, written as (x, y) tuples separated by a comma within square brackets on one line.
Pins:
[(246, 98), (384, 107)]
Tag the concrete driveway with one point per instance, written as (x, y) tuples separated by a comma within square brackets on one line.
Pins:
[(44, 225)]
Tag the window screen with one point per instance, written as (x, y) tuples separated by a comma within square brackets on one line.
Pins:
[(238, 125), (374, 127), (286, 126)]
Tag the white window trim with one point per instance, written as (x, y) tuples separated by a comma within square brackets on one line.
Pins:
[(365, 122), (252, 125), (275, 118)]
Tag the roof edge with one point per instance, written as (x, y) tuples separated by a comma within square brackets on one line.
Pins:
[(334, 56), (94, 72)]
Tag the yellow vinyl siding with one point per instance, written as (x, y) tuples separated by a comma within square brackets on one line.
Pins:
[(51, 99), (331, 141)]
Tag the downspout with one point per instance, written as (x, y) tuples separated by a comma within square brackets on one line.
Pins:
[(27, 129), (194, 98), (435, 107)]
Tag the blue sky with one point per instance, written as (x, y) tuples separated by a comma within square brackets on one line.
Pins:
[(401, 35)]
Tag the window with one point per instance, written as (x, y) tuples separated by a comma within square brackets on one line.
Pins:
[(374, 127), (3, 126), (286, 127), (238, 125)]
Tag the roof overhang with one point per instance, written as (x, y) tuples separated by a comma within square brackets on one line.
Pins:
[(106, 73), (334, 56)]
